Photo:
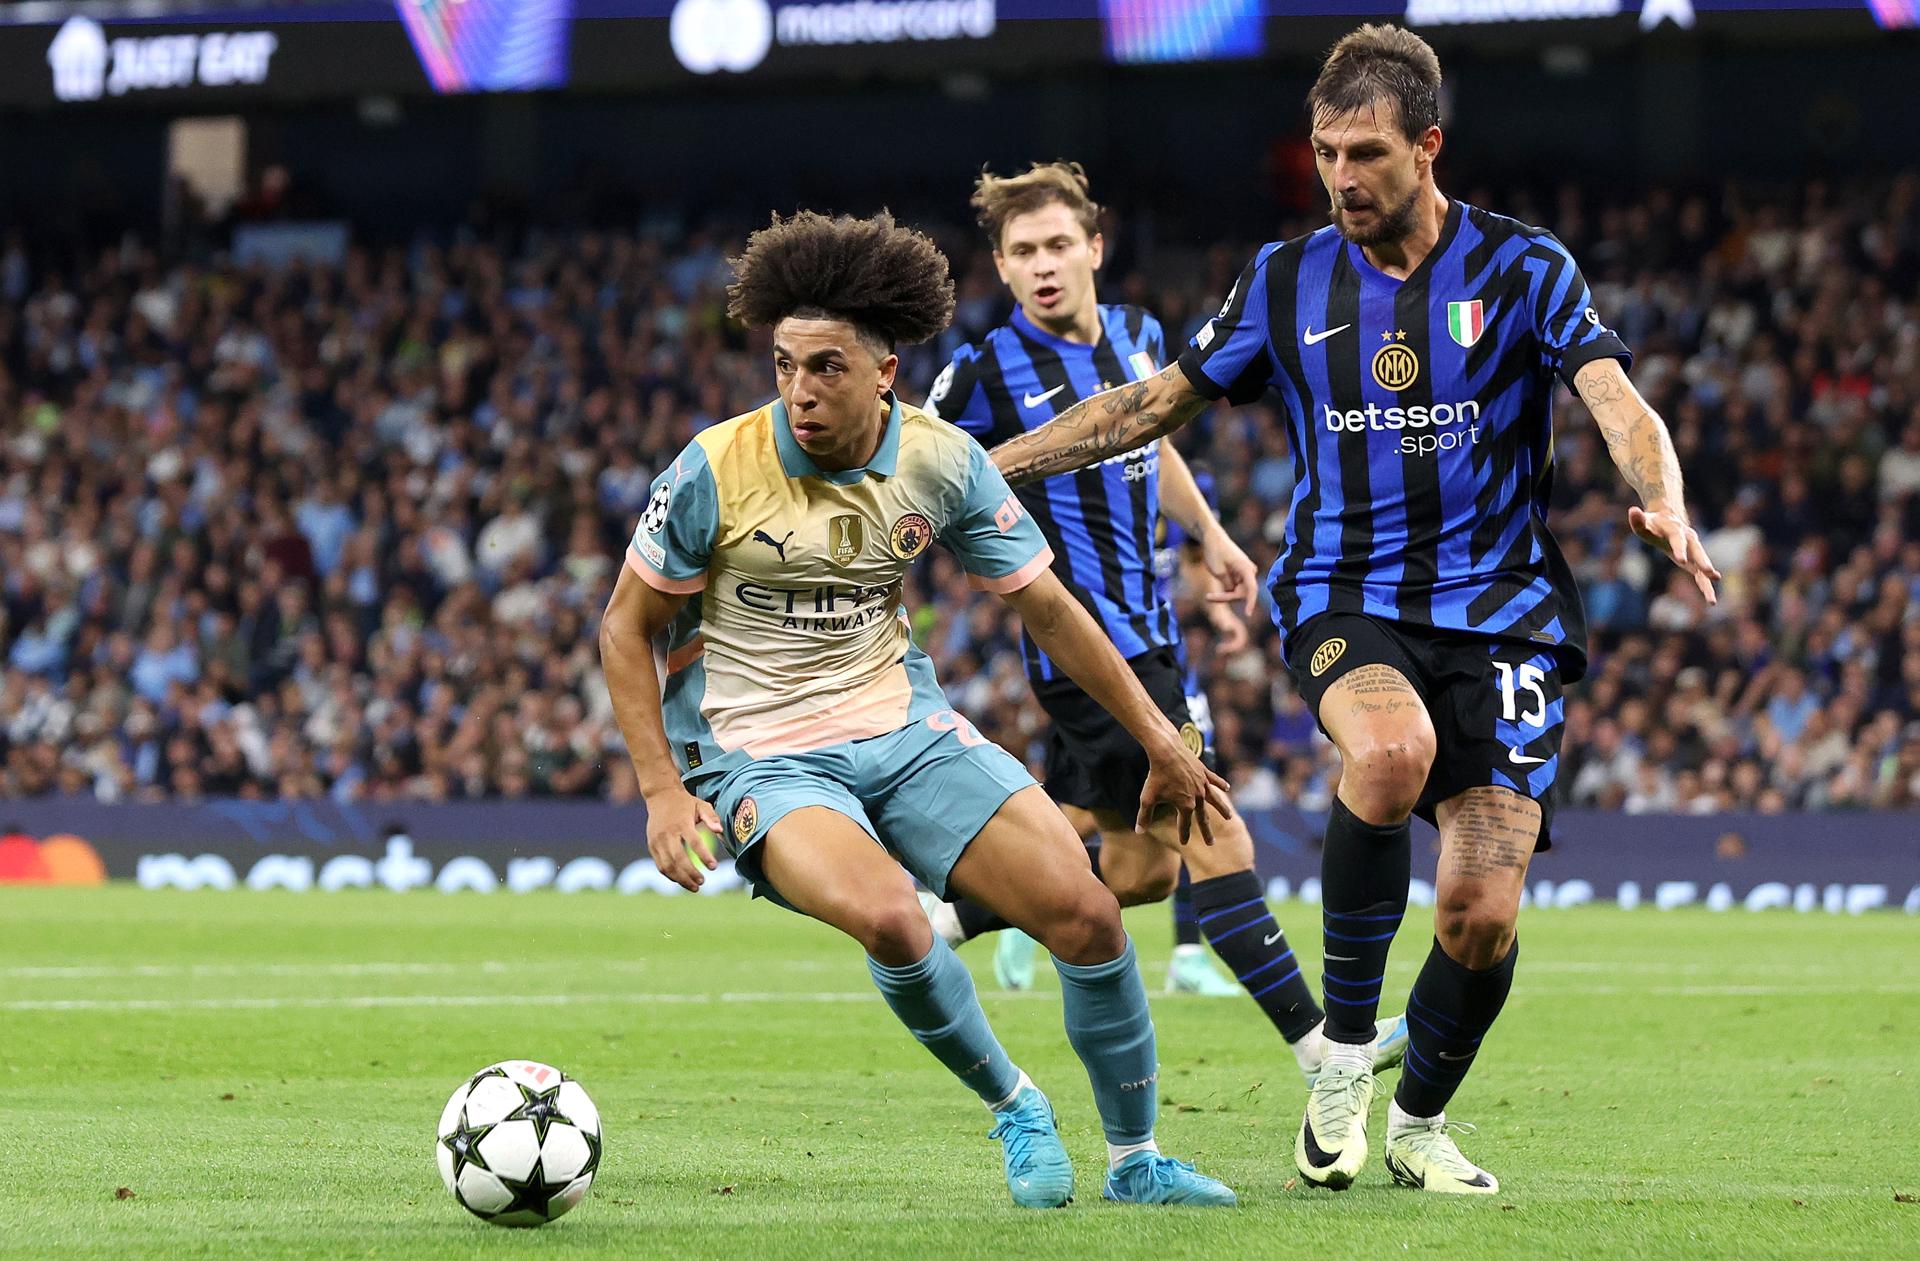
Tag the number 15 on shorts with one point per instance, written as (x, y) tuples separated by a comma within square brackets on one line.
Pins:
[(1513, 682)]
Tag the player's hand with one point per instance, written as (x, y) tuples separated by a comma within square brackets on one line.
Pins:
[(1227, 625), (1175, 777), (1671, 534), (1232, 568), (678, 825)]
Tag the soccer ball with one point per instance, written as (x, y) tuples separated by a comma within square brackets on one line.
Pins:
[(518, 1143)]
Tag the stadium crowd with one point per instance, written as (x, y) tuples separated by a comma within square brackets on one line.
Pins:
[(346, 530)]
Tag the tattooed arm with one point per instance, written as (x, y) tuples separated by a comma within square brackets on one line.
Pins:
[(1105, 425), (1643, 452)]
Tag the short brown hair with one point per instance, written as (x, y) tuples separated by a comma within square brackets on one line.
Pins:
[(890, 282), (1375, 63), (999, 198)]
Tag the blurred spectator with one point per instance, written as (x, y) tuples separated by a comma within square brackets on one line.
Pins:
[(348, 530)]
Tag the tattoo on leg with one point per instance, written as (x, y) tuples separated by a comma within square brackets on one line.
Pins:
[(1494, 830), (1376, 681)]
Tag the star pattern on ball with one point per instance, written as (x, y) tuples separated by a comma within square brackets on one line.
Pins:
[(531, 1194), (464, 1143), (542, 1107), (535, 1198)]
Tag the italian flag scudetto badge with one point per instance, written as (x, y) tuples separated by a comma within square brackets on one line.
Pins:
[(1466, 321)]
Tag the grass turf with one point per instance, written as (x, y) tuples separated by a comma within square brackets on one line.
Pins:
[(262, 1072)]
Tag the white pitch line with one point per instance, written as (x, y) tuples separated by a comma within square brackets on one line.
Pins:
[(105, 972), (800, 996), (87, 972), (1715, 991), (1608, 967), (428, 1000), (112, 971)]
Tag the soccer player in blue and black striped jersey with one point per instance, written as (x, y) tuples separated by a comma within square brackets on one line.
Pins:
[(1060, 346), (1426, 613)]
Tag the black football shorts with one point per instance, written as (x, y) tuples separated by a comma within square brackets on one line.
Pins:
[(1496, 704), (1092, 761)]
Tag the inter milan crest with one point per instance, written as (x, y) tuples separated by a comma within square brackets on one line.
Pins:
[(910, 536), (1325, 655), (846, 535), (1191, 737), (1395, 366), (1466, 321)]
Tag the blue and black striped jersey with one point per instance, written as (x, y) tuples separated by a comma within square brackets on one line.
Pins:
[(1420, 417), (1101, 521)]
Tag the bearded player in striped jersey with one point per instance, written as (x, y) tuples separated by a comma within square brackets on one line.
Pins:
[(1061, 345), (1425, 611)]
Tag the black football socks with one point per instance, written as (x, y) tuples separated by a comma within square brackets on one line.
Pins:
[(1364, 870), (1186, 923), (1232, 911), (1448, 1013)]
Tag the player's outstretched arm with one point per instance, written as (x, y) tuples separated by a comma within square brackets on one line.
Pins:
[(1104, 425), (1643, 452), (635, 616), (1066, 633), (1236, 578), (1227, 624)]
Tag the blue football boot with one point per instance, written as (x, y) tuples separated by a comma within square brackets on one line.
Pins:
[(1389, 1043), (1038, 1172), (1150, 1178)]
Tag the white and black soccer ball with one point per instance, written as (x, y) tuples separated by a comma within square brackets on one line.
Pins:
[(519, 1143)]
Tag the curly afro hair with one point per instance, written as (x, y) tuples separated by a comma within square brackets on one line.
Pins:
[(891, 283)]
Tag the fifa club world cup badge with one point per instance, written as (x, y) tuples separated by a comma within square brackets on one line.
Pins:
[(846, 535), (746, 817), (910, 536)]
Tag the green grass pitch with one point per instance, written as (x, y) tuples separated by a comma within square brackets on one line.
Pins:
[(262, 1073)]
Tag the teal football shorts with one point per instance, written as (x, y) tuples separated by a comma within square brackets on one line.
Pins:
[(923, 792)]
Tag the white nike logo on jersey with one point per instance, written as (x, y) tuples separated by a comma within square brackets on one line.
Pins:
[(1034, 400), (1521, 759), (1312, 338)]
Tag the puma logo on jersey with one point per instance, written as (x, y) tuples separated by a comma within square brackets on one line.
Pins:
[(761, 536)]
